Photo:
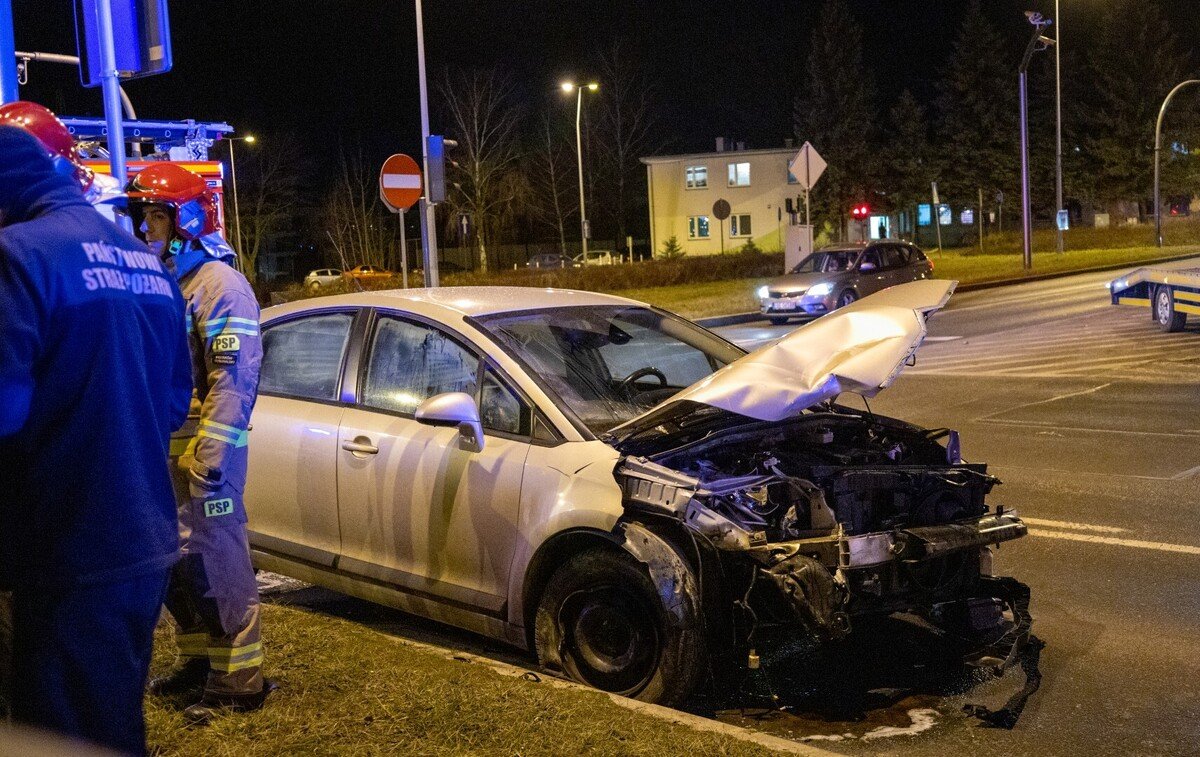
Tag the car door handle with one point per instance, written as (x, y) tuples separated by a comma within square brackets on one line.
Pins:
[(360, 446)]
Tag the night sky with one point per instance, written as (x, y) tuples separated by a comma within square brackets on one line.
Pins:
[(346, 70)]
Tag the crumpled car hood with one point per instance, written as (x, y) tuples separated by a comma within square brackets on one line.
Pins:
[(860, 348)]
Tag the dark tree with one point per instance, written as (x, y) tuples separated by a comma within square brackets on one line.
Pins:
[(907, 161), (623, 134), (835, 110), (979, 142), (1135, 60)]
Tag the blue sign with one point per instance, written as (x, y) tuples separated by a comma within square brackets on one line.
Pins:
[(141, 37), (924, 214)]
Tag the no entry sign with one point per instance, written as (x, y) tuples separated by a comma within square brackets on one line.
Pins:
[(399, 183)]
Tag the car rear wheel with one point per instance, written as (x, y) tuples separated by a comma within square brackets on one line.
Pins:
[(602, 619), (1164, 311), (846, 297)]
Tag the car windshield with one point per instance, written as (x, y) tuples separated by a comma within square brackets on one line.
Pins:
[(609, 363), (826, 261)]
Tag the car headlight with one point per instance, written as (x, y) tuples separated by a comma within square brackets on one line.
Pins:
[(820, 290), (763, 293)]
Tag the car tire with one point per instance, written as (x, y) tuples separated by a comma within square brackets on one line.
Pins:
[(602, 619), (1164, 311), (777, 321), (314, 287), (846, 297)]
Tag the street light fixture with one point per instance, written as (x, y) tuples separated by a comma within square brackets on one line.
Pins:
[(1037, 42), (237, 219), (568, 87)]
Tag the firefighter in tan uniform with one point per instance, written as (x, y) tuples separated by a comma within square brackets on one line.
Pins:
[(212, 595)]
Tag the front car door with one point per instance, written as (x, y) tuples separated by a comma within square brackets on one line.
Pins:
[(291, 491), (417, 510)]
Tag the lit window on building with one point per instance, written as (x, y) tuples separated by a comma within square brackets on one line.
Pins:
[(739, 225), (698, 227), (697, 177), (739, 174)]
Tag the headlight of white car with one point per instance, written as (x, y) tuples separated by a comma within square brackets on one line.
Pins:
[(763, 293), (820, 290)]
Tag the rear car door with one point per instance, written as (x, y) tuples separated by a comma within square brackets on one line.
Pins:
[(291, 490), (417, 510)]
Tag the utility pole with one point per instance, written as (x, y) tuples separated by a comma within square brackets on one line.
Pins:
[(1058, 179), (112, 92), (427, 208), (1037, 42), (8, 60)]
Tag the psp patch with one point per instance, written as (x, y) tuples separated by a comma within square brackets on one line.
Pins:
[(215, 507), (225, 349)]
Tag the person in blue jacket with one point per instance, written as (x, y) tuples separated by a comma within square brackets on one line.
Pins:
[(94, 377)]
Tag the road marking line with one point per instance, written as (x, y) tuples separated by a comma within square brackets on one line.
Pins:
[(1189, 473), (1076, 526), (1184, 549), (1080, 393), (1050, 425)]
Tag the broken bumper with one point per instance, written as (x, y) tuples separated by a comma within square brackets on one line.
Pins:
[(825, 579)]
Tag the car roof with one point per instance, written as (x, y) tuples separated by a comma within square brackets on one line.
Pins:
[(463, 301)]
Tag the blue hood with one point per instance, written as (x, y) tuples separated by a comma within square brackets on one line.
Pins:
[(29, 185)]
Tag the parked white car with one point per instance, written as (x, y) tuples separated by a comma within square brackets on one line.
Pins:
[(614, 487), (322, 277)]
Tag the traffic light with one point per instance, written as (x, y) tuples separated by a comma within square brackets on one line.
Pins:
[(860, 211)]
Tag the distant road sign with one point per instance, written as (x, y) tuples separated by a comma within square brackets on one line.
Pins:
[(400, 182), (807, 166), (721, 210)]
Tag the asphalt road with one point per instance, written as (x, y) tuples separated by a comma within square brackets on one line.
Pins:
[(1091, 418)]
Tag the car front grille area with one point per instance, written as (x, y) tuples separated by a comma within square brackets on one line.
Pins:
[(785, 295)]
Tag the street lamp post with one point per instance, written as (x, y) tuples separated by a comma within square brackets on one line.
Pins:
[(237, 218), (1058, 183), (583, 222), (1037, 42), (1158, 149)]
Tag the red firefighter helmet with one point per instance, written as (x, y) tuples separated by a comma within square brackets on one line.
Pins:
[(54, 135), (195, 205)]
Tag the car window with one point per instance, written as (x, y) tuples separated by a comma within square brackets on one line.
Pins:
[(500, 409), (871, 256), (894, 256), (412, 362), (303, 357), (915, 255)]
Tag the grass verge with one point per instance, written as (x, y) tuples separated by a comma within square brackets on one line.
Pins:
[(347, 689)]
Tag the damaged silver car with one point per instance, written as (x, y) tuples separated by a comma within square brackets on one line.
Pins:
[(624, 493)]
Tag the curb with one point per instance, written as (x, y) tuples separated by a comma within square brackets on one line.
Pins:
[(689, 720), (734, 319)]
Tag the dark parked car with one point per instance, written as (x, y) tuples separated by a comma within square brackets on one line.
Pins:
[(550, 260), (834, 277)]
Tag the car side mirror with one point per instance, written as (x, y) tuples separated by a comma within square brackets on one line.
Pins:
[(866, 266), (454, 409)]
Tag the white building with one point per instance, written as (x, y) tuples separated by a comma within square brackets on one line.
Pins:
[(683, 189)]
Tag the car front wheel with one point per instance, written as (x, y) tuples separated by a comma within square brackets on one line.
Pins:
[(602, 621), (846, 297)]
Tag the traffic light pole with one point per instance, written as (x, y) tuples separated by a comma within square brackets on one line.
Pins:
[(427, 209), (8, 59)]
